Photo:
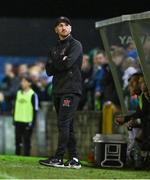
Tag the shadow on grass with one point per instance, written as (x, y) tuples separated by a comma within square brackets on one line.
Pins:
[(125, 168)]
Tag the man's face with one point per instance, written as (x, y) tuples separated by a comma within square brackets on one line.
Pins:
[(100, 59), (63, 29)]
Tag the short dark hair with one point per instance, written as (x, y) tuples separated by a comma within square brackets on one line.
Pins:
[(26, 77)]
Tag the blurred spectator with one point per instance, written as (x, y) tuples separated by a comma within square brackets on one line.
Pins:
[(40, 65), (129, 69), (118, 56), (2, 103), (91, 54), (41, 83), (22, 69), (103, 81), (106, 82), (109, 89), (1, 97), (99, 73), (87, 89), (8, 77), (9, 86), (46, 87), (131, 50)]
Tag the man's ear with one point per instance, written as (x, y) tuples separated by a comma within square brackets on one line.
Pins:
[(56, 30)]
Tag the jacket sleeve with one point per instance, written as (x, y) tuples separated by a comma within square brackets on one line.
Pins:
[(35, 104), (13, 110), (137, 114), (66, 62), (49, 66)]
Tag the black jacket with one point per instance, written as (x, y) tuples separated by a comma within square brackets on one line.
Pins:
[(64, 64)]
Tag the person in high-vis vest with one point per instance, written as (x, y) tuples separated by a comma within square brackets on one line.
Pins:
[(25, 110)]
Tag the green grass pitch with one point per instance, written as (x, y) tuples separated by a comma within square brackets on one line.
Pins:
[(19, 167)]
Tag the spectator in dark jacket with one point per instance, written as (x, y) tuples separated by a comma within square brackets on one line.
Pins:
[(87, 90), (9, 86)]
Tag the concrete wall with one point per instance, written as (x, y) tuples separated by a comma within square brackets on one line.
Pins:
[(44, 139)]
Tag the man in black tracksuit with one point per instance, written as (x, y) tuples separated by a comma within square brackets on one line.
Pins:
[(64, 64)]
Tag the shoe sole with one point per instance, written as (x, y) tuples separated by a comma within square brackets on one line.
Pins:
[(59, 166), (73, 167), (52, 165)]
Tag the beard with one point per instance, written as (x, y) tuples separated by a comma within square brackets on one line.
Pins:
[(64, 36)]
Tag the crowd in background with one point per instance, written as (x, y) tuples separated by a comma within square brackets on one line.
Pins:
[(98, 83), (10, 83)]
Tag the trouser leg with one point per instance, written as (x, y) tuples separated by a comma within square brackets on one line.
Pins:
[(67, 108), (18, 138), (138, 161), (27, 141), (72, 142)]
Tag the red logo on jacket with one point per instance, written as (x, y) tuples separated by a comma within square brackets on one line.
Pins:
[(66, 102)]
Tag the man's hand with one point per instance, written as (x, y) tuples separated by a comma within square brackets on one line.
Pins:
[(119, 119)]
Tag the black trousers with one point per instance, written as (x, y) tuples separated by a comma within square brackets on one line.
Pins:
[(23, 135), (66, 106)]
